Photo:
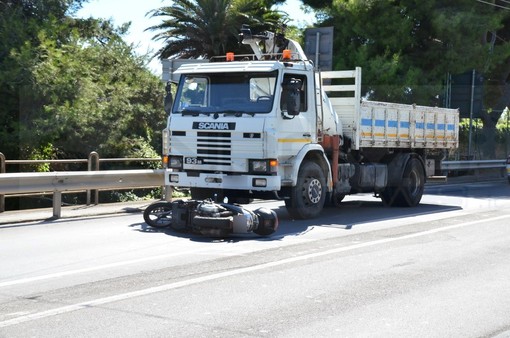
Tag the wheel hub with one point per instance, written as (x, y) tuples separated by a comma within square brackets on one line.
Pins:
[(314, 191), (414, 184)]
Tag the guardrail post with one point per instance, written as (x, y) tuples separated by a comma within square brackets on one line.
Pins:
[(57, 204), (2, 171), (93, 164), (168, 193)]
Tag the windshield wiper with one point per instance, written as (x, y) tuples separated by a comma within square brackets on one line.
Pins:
[(193, 112), (236, 113)]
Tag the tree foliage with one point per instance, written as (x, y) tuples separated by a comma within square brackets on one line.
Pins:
[(407, 47), (70, 86), (206, 28)]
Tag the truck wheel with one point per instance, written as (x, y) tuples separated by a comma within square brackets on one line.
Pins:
[(410, 189), (201, 194), (158, 214), (308, 196)]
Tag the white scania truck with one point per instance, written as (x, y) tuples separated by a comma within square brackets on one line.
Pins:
[(270, 126)]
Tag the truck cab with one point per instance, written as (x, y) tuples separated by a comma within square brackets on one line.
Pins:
[(235, 128)]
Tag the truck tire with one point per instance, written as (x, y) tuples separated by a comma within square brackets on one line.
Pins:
[(308, 196), (158, 214), (410, 190)]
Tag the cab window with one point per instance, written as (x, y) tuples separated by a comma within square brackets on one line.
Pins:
[(295, 79)]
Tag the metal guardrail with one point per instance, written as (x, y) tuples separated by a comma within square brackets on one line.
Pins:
[(93, 163), (59, 182), (472, 165)]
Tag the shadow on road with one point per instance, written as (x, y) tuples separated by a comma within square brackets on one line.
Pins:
[(352, 213), (345, 217), (358, 210)]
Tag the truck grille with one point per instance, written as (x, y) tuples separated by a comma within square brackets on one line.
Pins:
[(214, 147)]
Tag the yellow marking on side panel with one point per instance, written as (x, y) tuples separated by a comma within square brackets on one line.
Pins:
[(294, 140)]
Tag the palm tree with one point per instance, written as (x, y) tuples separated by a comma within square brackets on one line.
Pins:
[(205, 28)]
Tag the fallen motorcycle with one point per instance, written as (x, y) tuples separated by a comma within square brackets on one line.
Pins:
[(210, 218)]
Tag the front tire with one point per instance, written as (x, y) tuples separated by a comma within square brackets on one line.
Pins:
[(158, 215), (308, 196)]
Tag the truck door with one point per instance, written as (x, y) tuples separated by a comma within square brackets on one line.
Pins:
[(297, 125)]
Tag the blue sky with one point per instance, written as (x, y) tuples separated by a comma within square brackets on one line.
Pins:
[(135, 11)]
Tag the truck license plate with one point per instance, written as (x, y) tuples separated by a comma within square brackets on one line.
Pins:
[(192, 160)]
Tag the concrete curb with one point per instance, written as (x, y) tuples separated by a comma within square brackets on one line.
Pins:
[(74, 211)]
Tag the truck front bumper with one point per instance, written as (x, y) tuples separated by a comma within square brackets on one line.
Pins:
[(223, 181)]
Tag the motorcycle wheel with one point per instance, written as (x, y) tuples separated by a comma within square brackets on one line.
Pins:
[(158, 214)]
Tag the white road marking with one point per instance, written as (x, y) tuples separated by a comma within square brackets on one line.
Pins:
[(95, 268), (184, 283)]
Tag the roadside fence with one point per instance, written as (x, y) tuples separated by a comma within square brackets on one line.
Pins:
[(90, 181)]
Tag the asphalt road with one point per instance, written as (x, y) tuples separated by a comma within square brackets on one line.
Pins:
[(441, 269)]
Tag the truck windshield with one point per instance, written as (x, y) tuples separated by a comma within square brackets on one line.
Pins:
[(226, 93)]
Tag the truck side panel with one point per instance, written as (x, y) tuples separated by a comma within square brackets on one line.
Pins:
[(371, 124), (395, 125)]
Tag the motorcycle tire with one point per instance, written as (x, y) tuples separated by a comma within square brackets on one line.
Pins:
[(158, 215)]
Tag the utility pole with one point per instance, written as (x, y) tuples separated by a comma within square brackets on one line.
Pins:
[(471, 113)]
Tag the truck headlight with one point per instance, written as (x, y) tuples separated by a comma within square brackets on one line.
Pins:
[(266, 166), (175, 162)]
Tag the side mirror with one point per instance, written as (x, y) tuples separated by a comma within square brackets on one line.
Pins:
[(292, 96), (169, 100)]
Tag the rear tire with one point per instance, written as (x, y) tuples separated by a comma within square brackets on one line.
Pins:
[(308, 196), (410, 189)]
